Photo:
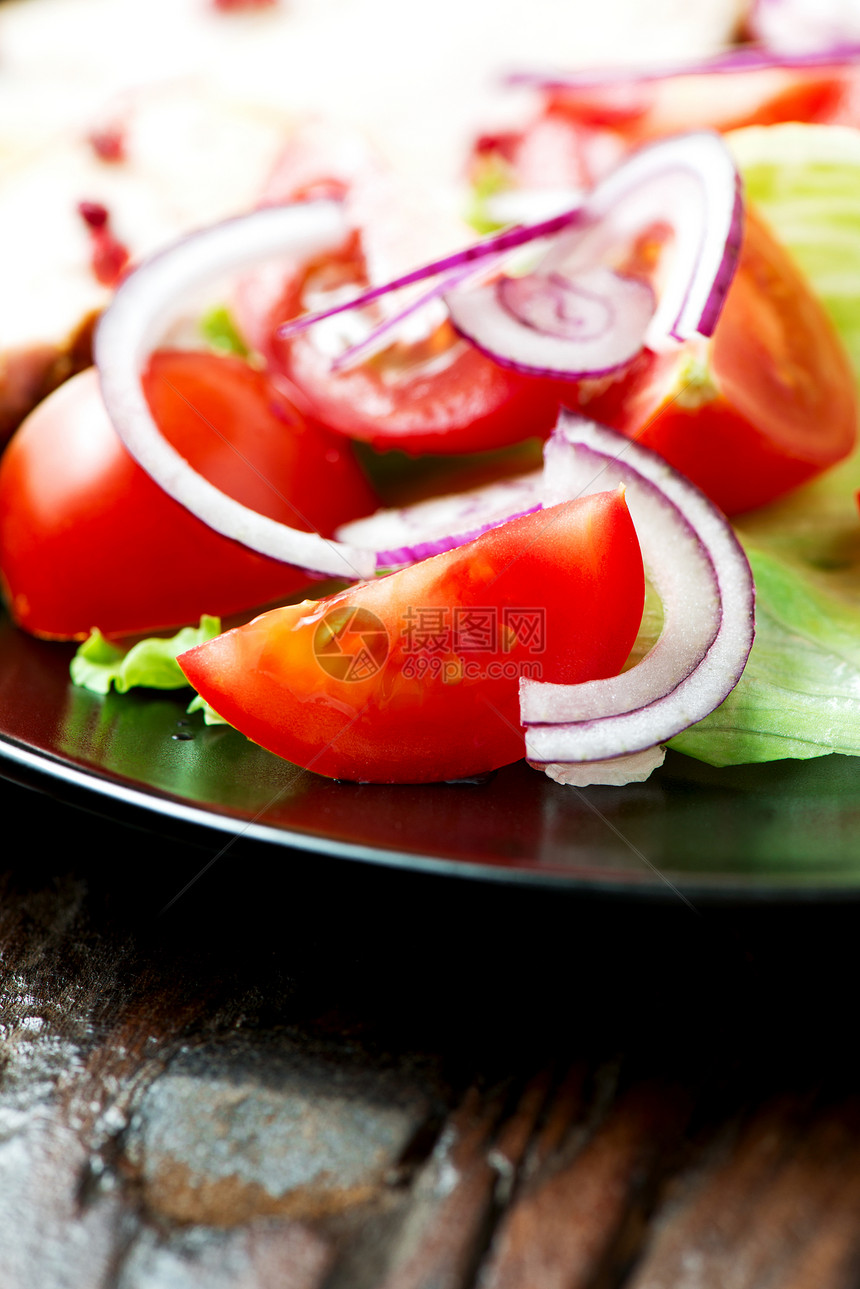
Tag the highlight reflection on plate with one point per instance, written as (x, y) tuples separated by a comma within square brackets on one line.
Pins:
[(782, 830)]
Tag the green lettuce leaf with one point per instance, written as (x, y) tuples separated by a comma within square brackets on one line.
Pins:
[(800, 693), (210, 716), (99, 664), (221, 333), (805, 180)]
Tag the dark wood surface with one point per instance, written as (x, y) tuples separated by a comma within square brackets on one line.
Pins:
[(311, 1074)]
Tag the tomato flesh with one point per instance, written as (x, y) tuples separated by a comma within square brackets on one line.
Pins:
[(88, 539), (439, 395), (414, 677), (718, 100), (766, 404)]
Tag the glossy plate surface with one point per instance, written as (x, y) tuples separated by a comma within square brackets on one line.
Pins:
[(785, 830)]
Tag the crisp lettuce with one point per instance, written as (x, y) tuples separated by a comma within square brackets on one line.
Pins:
[(800, 693), (100, 665), (210, 716), (805, 179), (492, 177), (221, 333)]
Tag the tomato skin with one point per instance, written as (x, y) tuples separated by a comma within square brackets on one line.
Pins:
[(439, 396), (87, 539), (772, 401), (578, 564)]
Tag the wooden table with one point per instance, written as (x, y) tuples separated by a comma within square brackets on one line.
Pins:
[(311, 1074)]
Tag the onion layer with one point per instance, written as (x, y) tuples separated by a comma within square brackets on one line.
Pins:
[(701, 574), (574, 316), (794, 50), (554, 323), (621, 770), (427, 528), (478, 253), (144, 306)]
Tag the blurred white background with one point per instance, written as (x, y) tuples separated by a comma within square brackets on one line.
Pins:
[(205, 100), (419, 77)]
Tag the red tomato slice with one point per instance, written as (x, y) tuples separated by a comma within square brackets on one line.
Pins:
[(723, 101), (440, 395), (768, 403), (414, 677), (87, 539)]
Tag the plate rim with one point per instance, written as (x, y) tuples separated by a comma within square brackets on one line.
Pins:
[(44, 769)]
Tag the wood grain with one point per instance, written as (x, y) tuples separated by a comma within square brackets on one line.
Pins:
[(342, 1079)]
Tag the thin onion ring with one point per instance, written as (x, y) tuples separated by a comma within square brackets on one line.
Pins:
[(703, 648), (690, 182), (146, 302)]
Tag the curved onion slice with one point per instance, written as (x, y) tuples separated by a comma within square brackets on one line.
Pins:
[(483, 252), (377, 339), (439, 524), (689, 182), (552, 323), (701, 574), (144, 306), (795, 50)]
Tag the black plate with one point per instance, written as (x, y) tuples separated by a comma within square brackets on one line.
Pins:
[(783, 830)]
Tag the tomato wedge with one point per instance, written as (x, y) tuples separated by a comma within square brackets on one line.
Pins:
[(435, 395), (766, 404), (87, 539), (414, 677)]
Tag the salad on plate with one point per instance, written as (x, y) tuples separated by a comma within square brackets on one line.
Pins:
[(585, 480)]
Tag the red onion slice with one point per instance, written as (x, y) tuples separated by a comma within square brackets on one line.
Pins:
[(574, 316), (778, 52), (144, 306), (412, 533), (478, 252), (380, 336), (691, 182), (554, 324), (548, 322), (701, 574)]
